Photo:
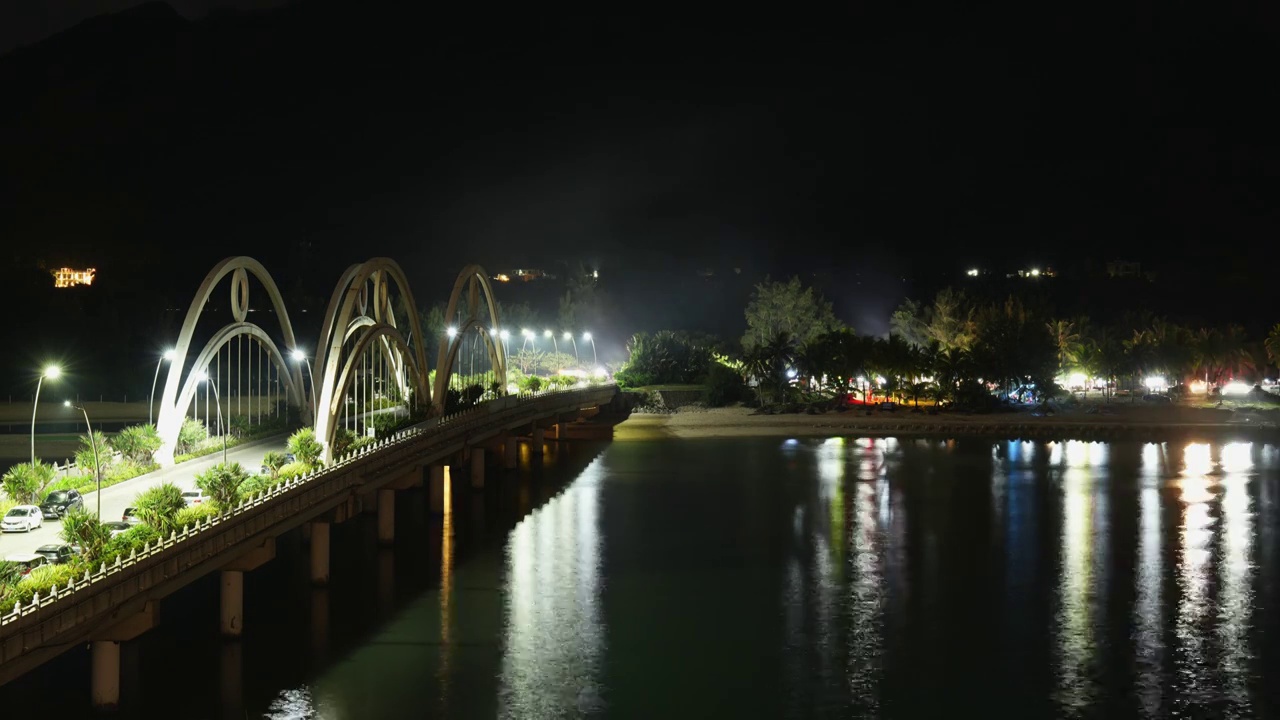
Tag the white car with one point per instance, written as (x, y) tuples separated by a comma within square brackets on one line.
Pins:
[(194, 497), (23, 518)]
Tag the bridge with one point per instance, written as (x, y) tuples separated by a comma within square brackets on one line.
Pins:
[(363, 364)]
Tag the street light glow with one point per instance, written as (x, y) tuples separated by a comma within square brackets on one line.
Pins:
[(526, 332), (66, 403), (298, 356), (586, 336), (202, 376), (53, 372), (546, 333), (504, 334), (567, 336), (453, 332), (170, 354)]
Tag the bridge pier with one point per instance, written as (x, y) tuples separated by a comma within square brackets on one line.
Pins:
[(510, 452), (436, 488), (539, 437), (232, 603), (320, 553), (105, 687), (386, 516), (477, 468)]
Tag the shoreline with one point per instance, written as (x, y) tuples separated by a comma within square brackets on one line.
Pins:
[(1139, 423)]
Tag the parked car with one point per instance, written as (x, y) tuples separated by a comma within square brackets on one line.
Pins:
[(130, 516), (194, 497), (59, 503), (290, 457), (57, 553), (26, 561), (23, 518), (116, 527)]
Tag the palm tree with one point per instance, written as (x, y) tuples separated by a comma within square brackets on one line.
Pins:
[(83, 530), (222, 484), (1272, 345), (158, 506), (1066, 337)]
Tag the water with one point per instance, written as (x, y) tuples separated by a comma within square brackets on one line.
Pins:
[(762, 578)]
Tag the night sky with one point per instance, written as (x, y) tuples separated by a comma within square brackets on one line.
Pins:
[(876, 155)]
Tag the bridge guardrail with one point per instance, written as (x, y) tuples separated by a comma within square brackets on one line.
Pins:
[(44, 617)]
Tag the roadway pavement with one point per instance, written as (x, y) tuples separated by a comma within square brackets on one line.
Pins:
[(118, 497)]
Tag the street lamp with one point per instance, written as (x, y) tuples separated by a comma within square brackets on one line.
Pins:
[(528, 335), (301, 357), (93, 442), (555, 345), (53, 372), (569, 336), (204, 377), (168, 355), (504, 335), (587, 336)]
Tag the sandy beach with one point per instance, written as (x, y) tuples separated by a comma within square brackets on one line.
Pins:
[(1119, 421)]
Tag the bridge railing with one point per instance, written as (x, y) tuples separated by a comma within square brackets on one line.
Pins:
[(124, 570)]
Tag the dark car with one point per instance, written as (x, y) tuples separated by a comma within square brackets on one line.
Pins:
[(59, 502), (57, 553)]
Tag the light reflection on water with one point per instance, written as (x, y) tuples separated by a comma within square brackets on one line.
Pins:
[(555, 639), (1122, 581)]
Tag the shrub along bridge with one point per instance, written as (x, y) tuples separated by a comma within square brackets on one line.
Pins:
[(368, 367)]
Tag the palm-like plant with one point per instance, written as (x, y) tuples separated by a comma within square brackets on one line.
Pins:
[(1272, 345), (158, 506), (25, 482), (304, 446), (97, 461), (138, 443), (85, 531), (222, 484), (1066, 337)]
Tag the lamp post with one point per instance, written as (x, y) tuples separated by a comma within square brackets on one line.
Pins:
[(528, 335), (53, 372), (555, 345), (301, 357), (505, 335), (452, 332), (594, 359), (93, 442), (217, 400), (569, 336), (168, 355)]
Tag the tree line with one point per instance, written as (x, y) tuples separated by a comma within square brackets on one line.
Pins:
[(954, 348)]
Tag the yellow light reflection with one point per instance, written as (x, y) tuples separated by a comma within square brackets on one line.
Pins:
[(1075, 623), (831, 465), (446, 589)]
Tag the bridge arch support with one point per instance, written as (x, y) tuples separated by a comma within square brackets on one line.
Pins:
[(475, 283), (184, 374), (360, 317)]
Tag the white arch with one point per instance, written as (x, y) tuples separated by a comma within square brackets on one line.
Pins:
[(328, 410), (219, 341), (475, 280), (376, 321), (171, 414)]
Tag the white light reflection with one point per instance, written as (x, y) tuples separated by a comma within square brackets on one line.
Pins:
[(866, 599), (553, 650), (1235, 572), (1148, 634), (1195, 533)]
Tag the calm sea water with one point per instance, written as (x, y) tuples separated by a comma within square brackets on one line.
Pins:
[(840, 578)]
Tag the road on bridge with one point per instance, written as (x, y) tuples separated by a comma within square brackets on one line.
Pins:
[(118, 497)]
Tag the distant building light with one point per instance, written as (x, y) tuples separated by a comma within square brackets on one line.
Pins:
[(502, 277), (1035, 272), (69, 277), (973, 272)]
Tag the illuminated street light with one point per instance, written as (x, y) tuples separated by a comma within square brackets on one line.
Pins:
[(452, 332), (203, 376), (594, 359), (301, 357), (93, 442), (555, 345), (569, 336), (505, 335), (167, 355), (53, 372)]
